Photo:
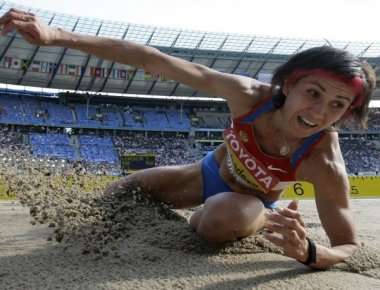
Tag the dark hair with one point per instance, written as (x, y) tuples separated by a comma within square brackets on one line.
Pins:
[(334, 60)]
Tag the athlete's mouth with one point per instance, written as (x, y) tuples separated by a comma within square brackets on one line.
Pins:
[(303, 121)]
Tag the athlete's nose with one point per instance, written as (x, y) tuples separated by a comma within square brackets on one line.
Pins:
[(318, 110)]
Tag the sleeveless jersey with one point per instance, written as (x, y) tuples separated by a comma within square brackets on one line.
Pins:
[(252, 167)]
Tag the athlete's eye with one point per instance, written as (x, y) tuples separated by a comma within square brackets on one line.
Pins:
[(337, 105), (313, 93)]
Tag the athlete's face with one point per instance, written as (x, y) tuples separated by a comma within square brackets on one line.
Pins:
[(315, 103)]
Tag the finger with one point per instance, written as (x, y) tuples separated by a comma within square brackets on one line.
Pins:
[(293, 205), (289, 223), (24, 17), (4, 18), (294, 238), (27, 36), (292, 214), (9, 16), (290, 236), (19, 25), (282, 219), (23, 28), (275, 239), (17, 10), (286, 222), (16, 15), (7, 28)]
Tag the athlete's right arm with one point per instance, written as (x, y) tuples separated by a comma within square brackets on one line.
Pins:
[(239, 91)]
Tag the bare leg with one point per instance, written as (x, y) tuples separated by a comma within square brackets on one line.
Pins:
[(228, 216), (179, 186)]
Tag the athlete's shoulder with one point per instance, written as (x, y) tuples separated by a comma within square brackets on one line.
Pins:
[(325, 159), (328, 146), (244, 104), (251, 111)]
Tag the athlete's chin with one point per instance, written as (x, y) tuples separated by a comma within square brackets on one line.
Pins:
[(304, 132), (303, 135)]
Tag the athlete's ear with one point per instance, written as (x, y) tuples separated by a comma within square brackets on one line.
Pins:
[(285, 88)]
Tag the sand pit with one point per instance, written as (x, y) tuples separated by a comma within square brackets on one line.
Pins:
[(60, 238)]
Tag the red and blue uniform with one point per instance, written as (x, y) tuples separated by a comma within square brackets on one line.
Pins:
[(246, 161)]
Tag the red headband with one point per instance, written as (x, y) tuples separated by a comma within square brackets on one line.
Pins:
[(356, 83)]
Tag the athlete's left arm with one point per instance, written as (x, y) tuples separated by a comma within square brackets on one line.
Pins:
[(325, 169), (332, 190)]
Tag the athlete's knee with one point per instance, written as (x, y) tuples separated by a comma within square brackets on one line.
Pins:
[(216, 229), (223, 220)]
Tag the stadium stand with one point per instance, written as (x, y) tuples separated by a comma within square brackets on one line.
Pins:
[(97, 149), (89, 132), (167, 132), (11, 110), (362, 156), (54, 145)]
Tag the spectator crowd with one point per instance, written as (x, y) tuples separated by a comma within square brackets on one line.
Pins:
[(361, 155)]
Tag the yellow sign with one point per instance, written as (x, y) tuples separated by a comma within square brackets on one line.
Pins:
[(361, 187)]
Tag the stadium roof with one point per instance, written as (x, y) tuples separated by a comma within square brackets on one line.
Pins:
[(54, 67)]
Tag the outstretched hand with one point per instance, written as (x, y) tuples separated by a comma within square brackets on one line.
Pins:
[(287, 230), (28, 26)]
